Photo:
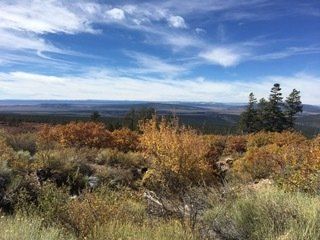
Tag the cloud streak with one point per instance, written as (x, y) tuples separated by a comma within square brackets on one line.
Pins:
[(104, 84)]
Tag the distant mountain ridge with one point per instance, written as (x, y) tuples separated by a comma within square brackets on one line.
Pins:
[(34, 106)]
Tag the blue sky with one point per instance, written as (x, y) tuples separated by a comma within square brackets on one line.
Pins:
[(171, 50)]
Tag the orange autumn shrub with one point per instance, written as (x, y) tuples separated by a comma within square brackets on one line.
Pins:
[(259, 139), (288, 138), (284, 138), (316, 140), (235, 144), (125, 140), (259, 163), (302, 169), (178, 150), (217, 144), (294, 166), (76, 134)]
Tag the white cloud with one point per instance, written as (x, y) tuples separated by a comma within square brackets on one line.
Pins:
[(43, 17), (181, 41), (101, 84), (20, 40), (116, 14), (25, 23), (291, 51), (176, 22), (151, 64), (200, 30), (223, 56)]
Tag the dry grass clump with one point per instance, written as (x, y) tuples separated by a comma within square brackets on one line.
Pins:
[(82, 215), (157, 230), (264, 214), (22, 227), (116, 158)]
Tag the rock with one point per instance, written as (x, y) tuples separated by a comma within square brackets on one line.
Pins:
[(93, 182)]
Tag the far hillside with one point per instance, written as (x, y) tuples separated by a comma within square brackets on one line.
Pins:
[(215, 118)]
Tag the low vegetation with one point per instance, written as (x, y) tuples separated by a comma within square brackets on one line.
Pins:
[(163, 181)]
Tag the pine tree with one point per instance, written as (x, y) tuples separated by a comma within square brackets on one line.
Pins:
[(273, 114), (95, 116), (293, 106), (249, 118), (276, 121), (262, 113)]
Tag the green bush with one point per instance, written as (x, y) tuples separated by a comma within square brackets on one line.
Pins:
[(114, 157), (22, 141)]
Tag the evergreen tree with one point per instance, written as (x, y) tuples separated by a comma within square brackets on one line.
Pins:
[(262, 112), (131, 118), (249, 118), (273, 114), (95, 116), (276, 121), (293, 106)]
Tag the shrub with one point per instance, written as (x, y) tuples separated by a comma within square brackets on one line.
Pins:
[(266, 213), (175, 149), (293, 167), (281, 139), (259, 139), (125, 140), (258, 163), (83, 215), (153, 180), (302, 169), (20, 161), (289, 138), (6, 152), (235, 144), (51, 203), (76, 134), (114, 157), (22, 141), (64, 167), (217, 145)]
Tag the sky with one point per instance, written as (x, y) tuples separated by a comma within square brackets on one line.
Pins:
[(168, 50)]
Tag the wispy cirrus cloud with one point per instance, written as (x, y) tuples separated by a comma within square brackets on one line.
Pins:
[(147, 64), (288, 52), (24, 25)]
